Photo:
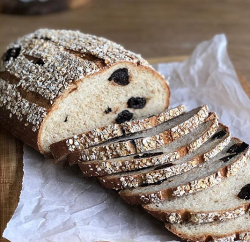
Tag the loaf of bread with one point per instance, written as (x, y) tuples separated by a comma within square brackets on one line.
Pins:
[(56, 83)]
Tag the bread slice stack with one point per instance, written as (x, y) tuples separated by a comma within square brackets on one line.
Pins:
[(184, 168)]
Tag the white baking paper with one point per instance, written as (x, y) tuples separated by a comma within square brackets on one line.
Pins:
[(56, 205)]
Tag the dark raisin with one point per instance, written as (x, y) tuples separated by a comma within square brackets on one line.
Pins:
[(13, 52), (39, 62), (233, 149), (163, 166), (243, 147), (120, 77), (146, 155), (136, 102), (219, 134), (227, 158), (123, 116), (238, 148), (245, 192), (108, 110), (66, 119)]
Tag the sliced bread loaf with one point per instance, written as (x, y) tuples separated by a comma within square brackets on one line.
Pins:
[(58, 83), (227, 200), (204, 176), (163, 155), (228, 231), (146, 141), (208, 150), (97, 136)]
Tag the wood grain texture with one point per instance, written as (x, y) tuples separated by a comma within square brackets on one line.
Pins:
[(153, 28)]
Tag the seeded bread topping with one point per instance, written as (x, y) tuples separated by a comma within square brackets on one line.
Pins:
[(43, 71)]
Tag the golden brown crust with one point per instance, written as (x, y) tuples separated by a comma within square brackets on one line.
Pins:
[(208, 237), (18, 128)]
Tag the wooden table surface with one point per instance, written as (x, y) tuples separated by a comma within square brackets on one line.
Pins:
[(153, 28)]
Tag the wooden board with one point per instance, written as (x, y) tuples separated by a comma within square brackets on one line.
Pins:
[(11, 165)]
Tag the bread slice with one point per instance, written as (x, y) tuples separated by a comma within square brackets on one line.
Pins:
[(219, 203), (57, 83), (163, 155), (97, 136), (147, 140), (204, 176), (208, 150), (237, 229)]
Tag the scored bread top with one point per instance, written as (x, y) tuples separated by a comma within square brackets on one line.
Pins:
[(39, 67), (42, 71)]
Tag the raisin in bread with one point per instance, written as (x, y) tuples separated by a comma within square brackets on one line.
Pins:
[(101, 135), (209, 174), (148, 140), (228, 231), (198, 155), (228, 200), (57, 83)]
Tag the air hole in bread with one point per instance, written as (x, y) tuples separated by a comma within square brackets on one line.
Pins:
[(123, 116), (136, 102), (120, 77), (12, 53)]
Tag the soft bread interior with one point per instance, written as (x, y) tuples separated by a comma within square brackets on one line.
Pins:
[(84, 108), (202, 171), (175, 145), (223, 196)]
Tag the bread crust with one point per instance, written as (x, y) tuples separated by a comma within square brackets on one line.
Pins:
[(43, 97), (242, 235), (174, 216)]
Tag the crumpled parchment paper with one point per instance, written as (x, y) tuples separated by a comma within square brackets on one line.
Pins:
[(56, 205)]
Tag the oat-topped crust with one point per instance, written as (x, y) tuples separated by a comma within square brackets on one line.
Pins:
[(39, 67)]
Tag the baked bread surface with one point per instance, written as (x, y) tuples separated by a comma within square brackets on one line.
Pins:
[(58, 83)]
